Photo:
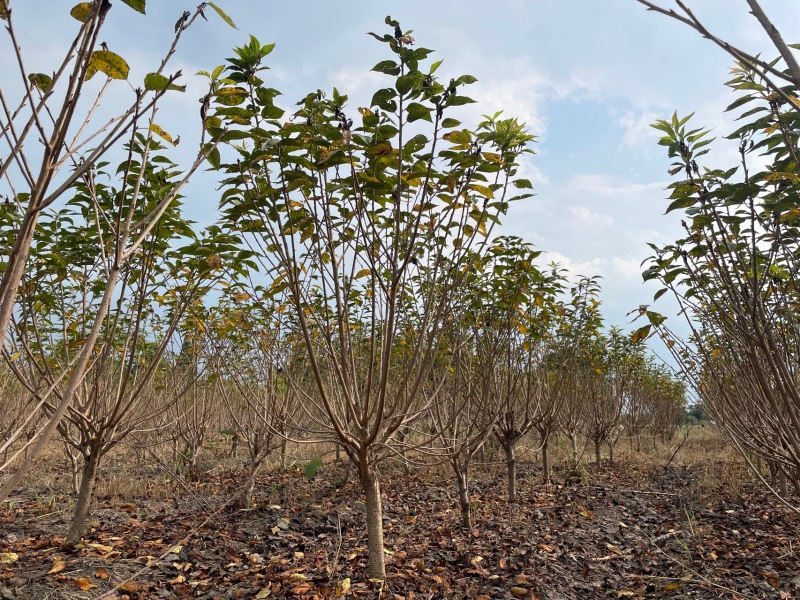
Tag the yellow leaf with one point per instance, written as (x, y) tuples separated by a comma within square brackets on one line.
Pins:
[(522, 329), (161, 133), (381, 149), (362, 273), (8, 557), (343, 587), (105, 61), (482, 190), (264, 593), (82, 12), (672, 586), (519, 592)]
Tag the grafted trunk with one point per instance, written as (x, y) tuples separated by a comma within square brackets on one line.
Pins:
[(573, 439), (546, 459), (372, 496), (463, 498), (598, 450), (511, 468), (85, 495), (401, 438), (246, 499)]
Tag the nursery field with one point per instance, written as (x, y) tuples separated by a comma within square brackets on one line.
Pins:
[(697, 528)]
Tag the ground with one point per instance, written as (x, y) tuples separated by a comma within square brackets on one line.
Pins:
[(635, 529)]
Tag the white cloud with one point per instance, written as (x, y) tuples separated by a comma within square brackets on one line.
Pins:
[(637, 133), (586, 221)]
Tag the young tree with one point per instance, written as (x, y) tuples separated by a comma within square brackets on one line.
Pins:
[(64, 301), (734, 272), (517, 306), (62, 111), (368, 230), (581, 324)]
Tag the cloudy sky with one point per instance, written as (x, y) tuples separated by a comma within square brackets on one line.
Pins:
[(589, 76)]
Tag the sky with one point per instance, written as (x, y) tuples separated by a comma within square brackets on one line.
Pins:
[(588, 76)]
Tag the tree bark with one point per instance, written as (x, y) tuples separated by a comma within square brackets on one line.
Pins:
[(511, 467), (546, 459), (782, 485), (611, 453), (574, 439), (84, 497), (463, 499), (372, 495), (598, 447)]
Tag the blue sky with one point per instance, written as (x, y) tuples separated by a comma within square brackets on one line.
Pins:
[(587, 75)]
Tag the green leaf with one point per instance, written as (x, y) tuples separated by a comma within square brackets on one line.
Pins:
[(418, 111), (161, 133), (105, 61), (448, 122), (387, 66), (405, 83), (385, 99), (137, 5), (158, 82), (212, 155), (41, 81), (523, 184), (222, 15), (82, 12), (459, 100)]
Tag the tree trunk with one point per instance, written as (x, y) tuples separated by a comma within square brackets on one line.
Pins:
[(546, 459), (611, 453), (463, 498), (784, 488), (84, 497), (372, 494), (574, 440), (246, 499), (401, 438), (511, 467), (598, 447)]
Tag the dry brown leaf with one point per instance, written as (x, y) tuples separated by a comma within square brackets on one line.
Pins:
[(300, 589), (101, 573), (129, 586), (85, 583), (58, 566)]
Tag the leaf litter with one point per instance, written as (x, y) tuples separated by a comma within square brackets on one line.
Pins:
[(626, 534)]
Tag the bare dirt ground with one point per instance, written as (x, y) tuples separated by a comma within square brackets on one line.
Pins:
[(635, 529)]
